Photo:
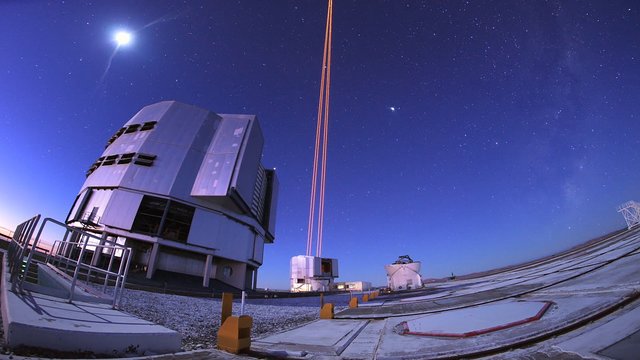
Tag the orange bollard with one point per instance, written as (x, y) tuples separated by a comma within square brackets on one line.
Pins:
[(365, 298), (353, 303), (327, 311), (234, 335)]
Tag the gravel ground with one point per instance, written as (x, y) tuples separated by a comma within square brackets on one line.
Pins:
[(198, 319)]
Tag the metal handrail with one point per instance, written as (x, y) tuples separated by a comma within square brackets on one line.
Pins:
[(18, 247), (59, 254), (73, 238)]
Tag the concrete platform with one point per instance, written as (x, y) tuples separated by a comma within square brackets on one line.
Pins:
[(31, 319), (322, 337), (48, 322), (477, 320), (584, 303)]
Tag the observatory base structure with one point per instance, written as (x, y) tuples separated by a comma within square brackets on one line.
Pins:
[(404, 274), (186, 190), (313, 273)]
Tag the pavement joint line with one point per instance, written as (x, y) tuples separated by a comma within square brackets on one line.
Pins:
[(375, 350)]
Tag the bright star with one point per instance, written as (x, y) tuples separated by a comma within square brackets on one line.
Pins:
[(123, 38), (392, 108)]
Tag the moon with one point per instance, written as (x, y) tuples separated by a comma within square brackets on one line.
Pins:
[(123, 38)]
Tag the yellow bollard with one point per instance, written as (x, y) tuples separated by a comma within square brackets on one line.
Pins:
[(234, 335), (365, 298), (353, 303), (227, 306), (327, 311)]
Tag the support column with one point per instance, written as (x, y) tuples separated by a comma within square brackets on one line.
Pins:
[(207, 271), (153, 258), (255, 279), (98, 251)]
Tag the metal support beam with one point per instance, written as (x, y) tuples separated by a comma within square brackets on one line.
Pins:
[(206, 274), (153, 258), (255, 279)]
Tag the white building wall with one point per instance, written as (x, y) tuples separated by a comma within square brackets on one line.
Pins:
[(258, 249), (122, 209), (106, 176), (170, 261), (404, 276), (307, 274), (354, 286), (235, 241), (229, 238), (97, 203), (238, 272), (159, 178), (127, 143)]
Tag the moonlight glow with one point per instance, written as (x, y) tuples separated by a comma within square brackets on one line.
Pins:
[(123, 38)]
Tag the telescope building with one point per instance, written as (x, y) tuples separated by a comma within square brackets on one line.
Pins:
[(186, 189)]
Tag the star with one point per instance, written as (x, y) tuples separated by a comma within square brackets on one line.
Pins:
[(393, 108)]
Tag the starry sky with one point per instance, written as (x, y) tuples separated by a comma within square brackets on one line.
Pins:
[(467, 134)]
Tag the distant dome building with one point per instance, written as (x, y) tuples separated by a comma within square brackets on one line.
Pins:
[(403, 274), (185, 188)]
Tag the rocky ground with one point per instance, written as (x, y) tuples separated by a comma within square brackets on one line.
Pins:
[(198, 319)]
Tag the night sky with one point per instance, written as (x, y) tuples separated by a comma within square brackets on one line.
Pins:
[(467, 134)]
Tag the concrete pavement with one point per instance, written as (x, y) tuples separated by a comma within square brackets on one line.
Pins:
[(591, 302)]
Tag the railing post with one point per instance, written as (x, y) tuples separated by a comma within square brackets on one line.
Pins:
[(75, 273), (106, 279), (124, 276), (242, 302), (32, 249), (118, 280), (24, 237)]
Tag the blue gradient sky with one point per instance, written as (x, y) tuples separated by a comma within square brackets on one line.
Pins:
[(514, 135)]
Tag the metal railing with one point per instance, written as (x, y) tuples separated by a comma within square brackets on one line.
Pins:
[(19, 248), (70, 256)]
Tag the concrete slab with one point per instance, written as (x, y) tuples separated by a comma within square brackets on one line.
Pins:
[(365, 345), (32, 319), (568, 312), (625, 349), (48, 322), (426, 297), (477, 320), (604, 335), (370, 304), (455, 301), (323, 337)]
